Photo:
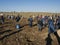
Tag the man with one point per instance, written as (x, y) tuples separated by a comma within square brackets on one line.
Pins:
[(51, 25), (8, 16), (2, 19), (40, 24), (12, 17), (58, 22), (46, 21), (18, 26), (30, 19), (51, 29), (48, 40), (43, 21), (18, 18)]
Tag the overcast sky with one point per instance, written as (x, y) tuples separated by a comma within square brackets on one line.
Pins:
[(30, 5)]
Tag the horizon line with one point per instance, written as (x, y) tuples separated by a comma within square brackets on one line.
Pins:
[(30, 11)]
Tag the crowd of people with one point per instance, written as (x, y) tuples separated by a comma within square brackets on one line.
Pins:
[(52, 22)]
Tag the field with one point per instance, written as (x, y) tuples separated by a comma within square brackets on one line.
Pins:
[(9, 35)]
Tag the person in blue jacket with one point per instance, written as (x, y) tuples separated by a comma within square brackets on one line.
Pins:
[(18, 26), (51, 29), (50, 25)]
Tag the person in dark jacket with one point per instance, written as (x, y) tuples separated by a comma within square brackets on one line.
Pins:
[(30, 21), (48, 40), (58, 22), (2, 19), (40, 24), (18, 26), (18, 18)]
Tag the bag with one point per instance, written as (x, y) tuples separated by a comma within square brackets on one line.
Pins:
[(17, 26)]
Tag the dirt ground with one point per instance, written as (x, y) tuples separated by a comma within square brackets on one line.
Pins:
[(9, 35)]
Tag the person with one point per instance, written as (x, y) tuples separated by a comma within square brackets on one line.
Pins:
[(40, 24), (51, 29), (18, 18), (48, 40), (8, 17), (46, 21), (43, 21), (2, 19), (30, 19), (58, 22), (12, 17), (18, 26), (51, 25)]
